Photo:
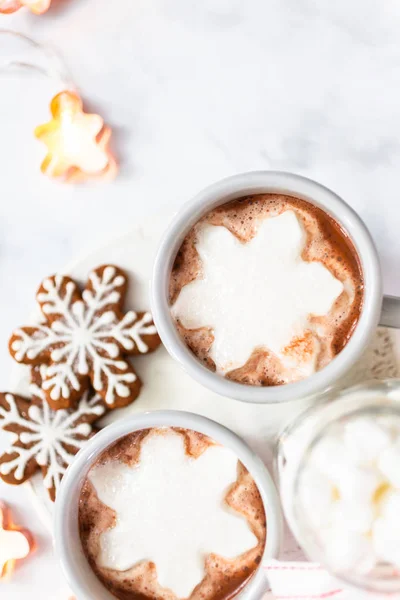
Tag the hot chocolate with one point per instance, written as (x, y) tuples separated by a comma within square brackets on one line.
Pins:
[(266, 289), (168, 513)]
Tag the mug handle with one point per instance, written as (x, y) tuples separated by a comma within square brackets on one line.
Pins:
[(390, 316)]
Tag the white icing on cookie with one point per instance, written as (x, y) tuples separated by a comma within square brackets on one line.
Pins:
[(171, 510), (47, 435), (257, 294), (83, 339)]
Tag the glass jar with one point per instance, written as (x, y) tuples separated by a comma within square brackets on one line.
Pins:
[(328, 461)]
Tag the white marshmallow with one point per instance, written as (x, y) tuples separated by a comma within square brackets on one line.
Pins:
[(347, 550), (389, 463), (389, 507), (317, 497), (330, 457), (365, 440), (358, 517), (359, 484), (386, 540), (352, 502)]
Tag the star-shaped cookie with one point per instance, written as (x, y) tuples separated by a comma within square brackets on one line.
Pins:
[(85, 338)]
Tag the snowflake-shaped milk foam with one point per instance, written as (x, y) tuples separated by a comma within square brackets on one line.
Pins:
[(44, 438), (255, 294), (171, 496), (86, 338)]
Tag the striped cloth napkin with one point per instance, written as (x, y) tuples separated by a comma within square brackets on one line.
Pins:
[(309, 581)]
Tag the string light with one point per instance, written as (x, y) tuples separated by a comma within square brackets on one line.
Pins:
[(15, 543), (77, 142), (38, 7)]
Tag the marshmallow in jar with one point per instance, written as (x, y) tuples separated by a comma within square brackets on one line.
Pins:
[(339, 476)]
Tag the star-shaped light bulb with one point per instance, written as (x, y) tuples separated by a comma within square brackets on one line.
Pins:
[(14, 543), (38, 7), (257, 294), (77, 143), (171, 496)]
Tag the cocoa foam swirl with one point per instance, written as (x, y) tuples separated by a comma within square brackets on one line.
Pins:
[(223, 578), (326, 242)]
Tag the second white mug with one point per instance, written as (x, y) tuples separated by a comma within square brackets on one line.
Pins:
[(293, 185)]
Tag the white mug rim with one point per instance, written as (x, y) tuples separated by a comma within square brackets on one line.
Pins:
[(252, 183), (68, 548)]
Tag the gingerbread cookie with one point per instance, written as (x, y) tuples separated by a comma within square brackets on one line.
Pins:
[(44, 439), (85, 338)]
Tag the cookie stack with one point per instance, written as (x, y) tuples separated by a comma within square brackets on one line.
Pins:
[(79, 371)]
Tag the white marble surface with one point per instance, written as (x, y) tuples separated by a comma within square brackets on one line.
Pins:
[(194, 91)]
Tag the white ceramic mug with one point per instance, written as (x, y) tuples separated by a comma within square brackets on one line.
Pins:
[(78, 573), (285, 183)]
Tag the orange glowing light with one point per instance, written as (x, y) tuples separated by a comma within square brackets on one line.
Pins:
[(77, 142), (15, 543), (38, 7)]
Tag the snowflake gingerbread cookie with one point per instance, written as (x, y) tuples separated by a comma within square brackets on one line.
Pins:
[(15, 543), (85, 338), (42, 438)]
